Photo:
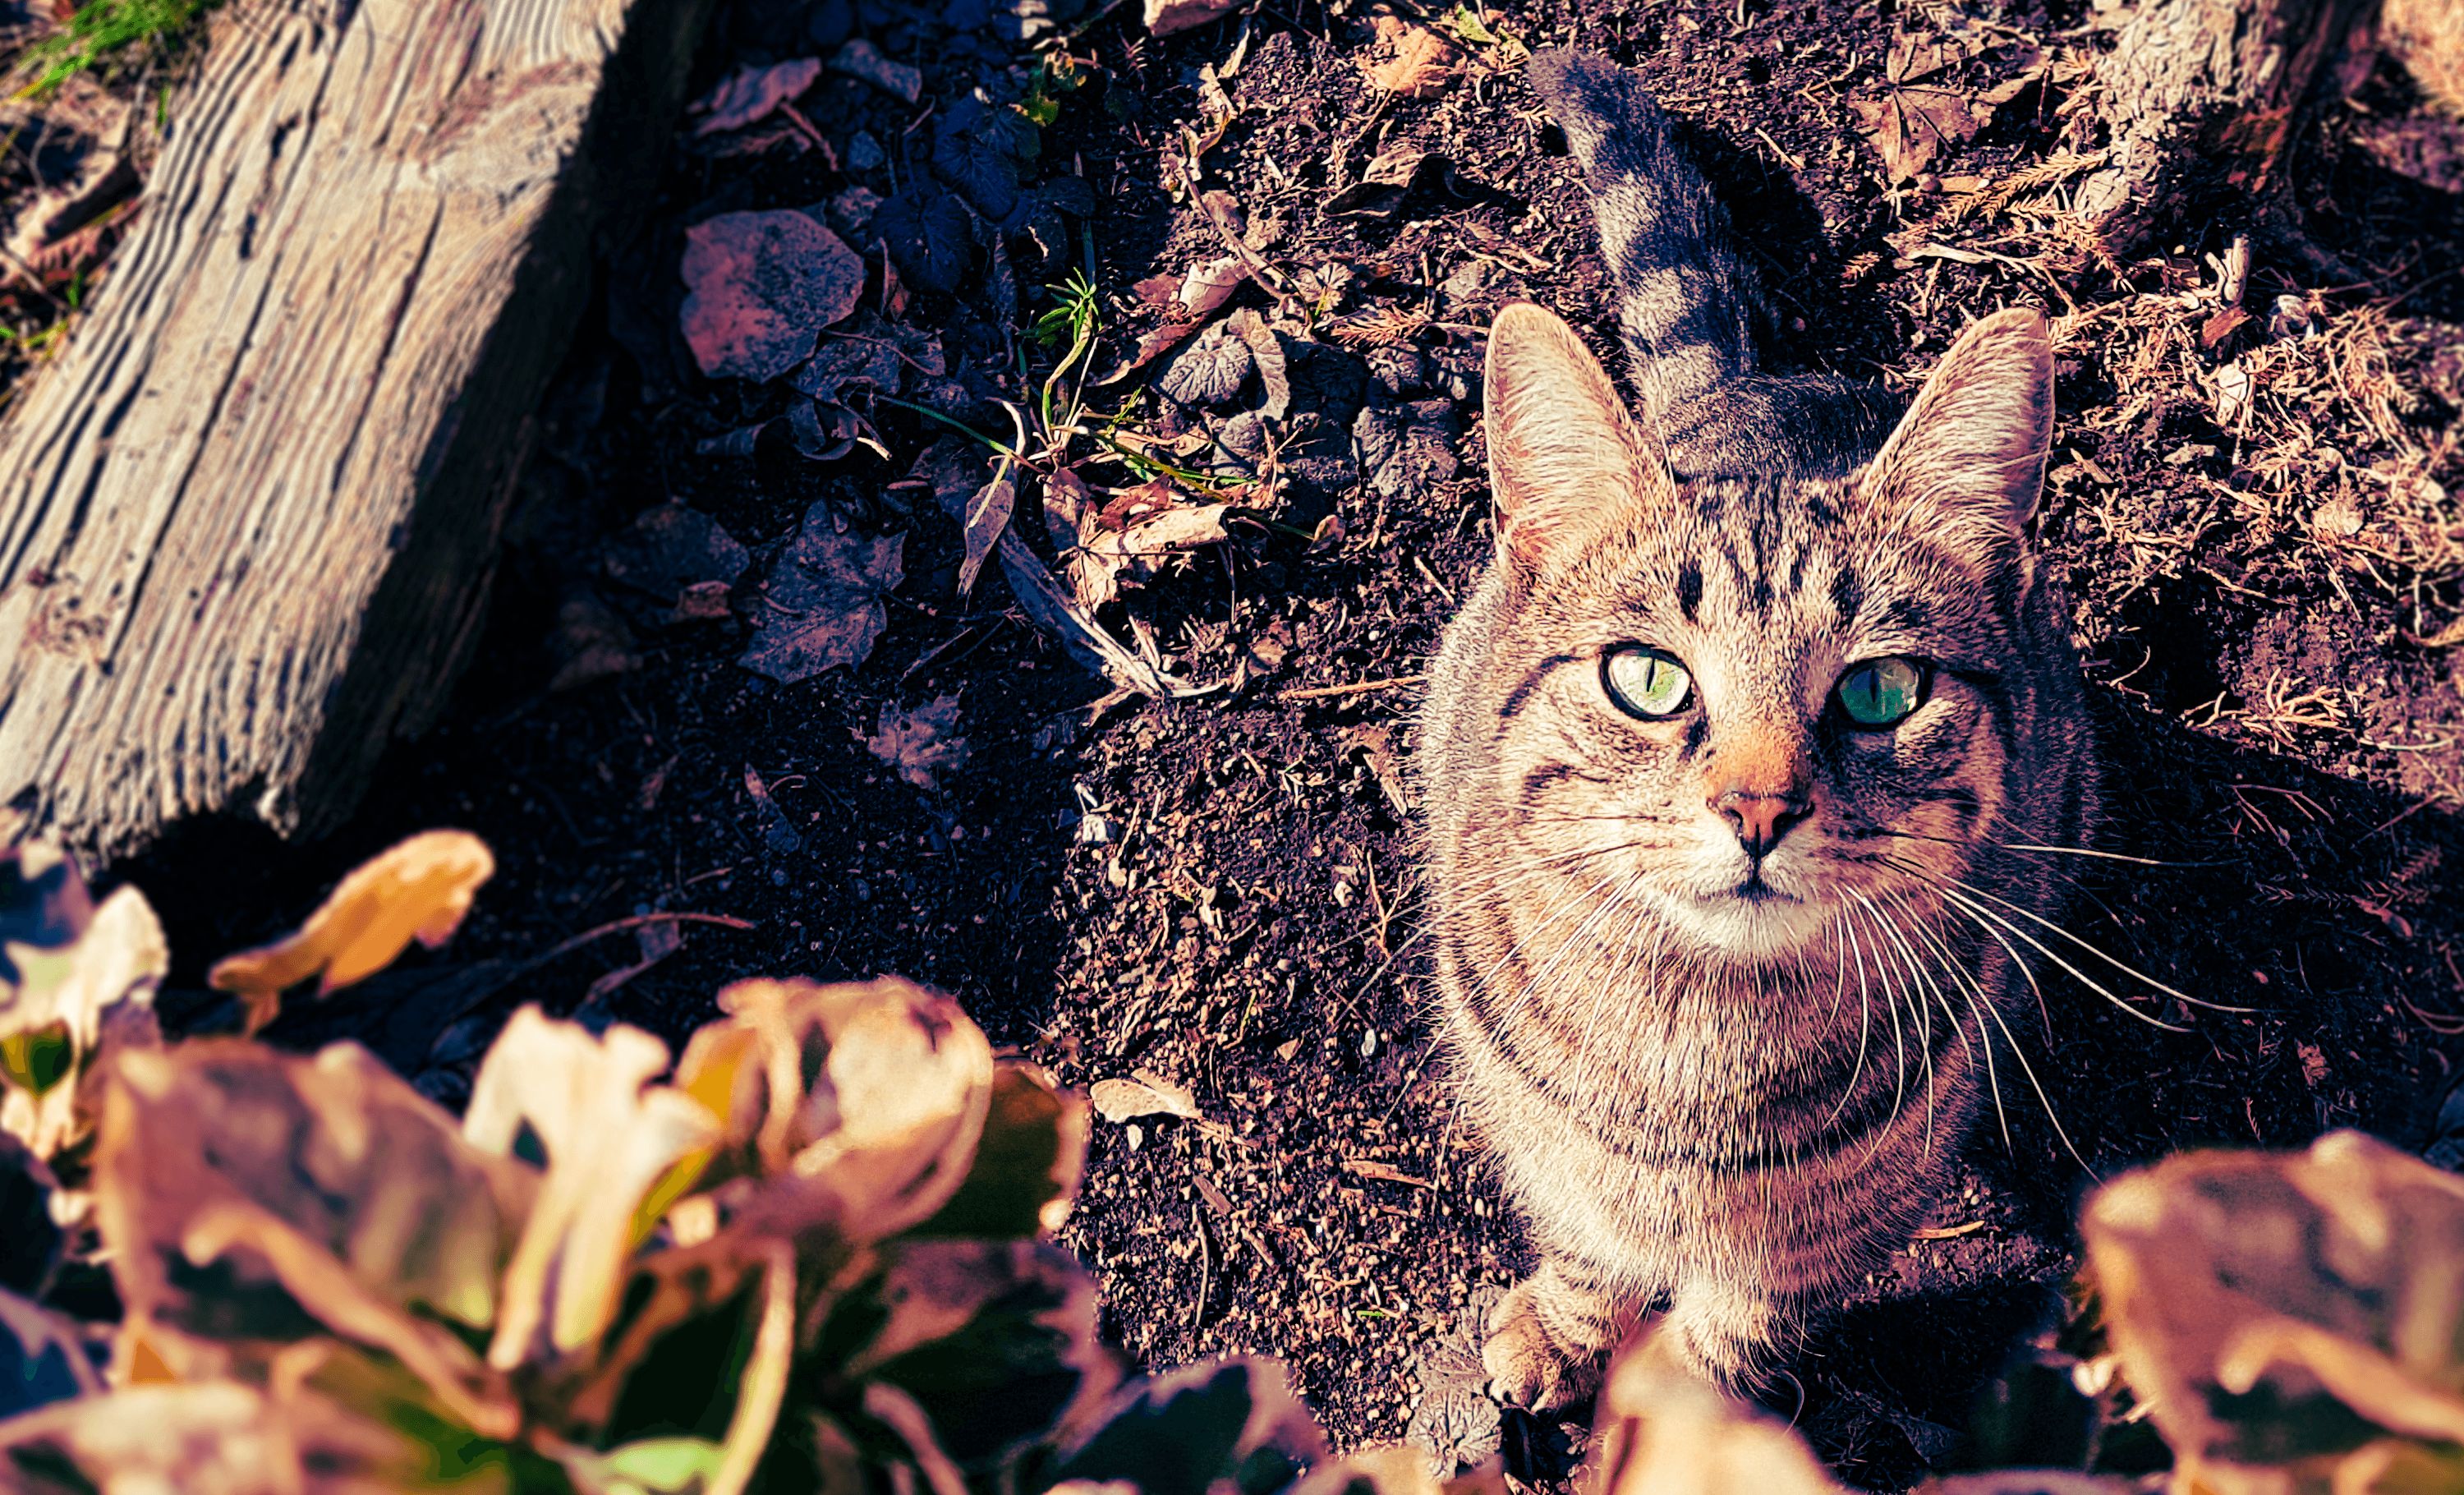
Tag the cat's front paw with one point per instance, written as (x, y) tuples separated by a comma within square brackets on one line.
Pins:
[(1530, 1365)]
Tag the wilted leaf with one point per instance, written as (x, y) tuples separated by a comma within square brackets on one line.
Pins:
[(750, 95), (1125, 541), (73, 979), (1924, 110), (1027, 1165), (1411, 60), (862, 59), (246, 1195), (825, 432), (994, 1341), (759, 289), (984, 519), (879, 1088), (590, 642), (1164, 17), (822, 606), (1208, 372), (863, 355), (1662, 1431), (1186, 305), (671, 548), (1263, 346), (930, 235), (43, 1357), (222, 1438), (1231, 1427), (2291, 1320), (1383, 184), (922, 742), (418, 889), (608, 1137)]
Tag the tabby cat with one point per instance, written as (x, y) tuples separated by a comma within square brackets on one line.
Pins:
[(1730, 762)]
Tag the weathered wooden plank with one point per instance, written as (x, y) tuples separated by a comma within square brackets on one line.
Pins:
[(247, 520)]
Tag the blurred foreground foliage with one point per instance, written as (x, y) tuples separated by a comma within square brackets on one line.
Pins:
[(812, 1253)]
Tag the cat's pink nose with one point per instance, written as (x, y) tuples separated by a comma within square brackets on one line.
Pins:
[(1761, 819)]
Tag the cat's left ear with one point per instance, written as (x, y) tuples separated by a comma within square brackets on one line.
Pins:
[(1968, 461)]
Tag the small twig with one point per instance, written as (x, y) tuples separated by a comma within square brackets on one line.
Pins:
[(1310, 692), (636, 921), (1252, 264)]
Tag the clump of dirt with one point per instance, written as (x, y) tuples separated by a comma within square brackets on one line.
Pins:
[(2257, 516)]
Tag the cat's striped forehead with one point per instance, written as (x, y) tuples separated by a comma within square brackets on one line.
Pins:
[(1799, 560)]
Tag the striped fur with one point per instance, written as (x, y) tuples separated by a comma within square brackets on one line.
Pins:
[(1721, 1083)]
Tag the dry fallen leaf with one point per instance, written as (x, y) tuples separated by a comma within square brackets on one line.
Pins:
[(1925, 111), (1372, 1169), (417, 890), (1185, 306), (1415, 62), (1122, 540), (922, 742), (750, 95), (2290, 1320), (1147, 1094), (821, 605), (1949, 1232), (759, 289)]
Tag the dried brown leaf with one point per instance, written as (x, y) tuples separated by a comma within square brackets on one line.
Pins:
[(821, 605), (922, 742), (419, 889), (1145, 1095), (1409, 60)]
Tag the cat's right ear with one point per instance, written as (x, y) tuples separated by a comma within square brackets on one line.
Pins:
[(1565, 462)]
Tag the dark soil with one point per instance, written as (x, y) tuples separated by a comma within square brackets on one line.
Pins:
[(1222, 890)]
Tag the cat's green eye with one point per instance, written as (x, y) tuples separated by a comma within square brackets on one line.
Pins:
[(1645, 682), (1881, 693)]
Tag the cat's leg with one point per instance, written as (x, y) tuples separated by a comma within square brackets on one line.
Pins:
[(1547, 1337), (1724, 1331)]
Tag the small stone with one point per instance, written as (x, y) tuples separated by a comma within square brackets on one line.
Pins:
[(850, 210), (865, 153), (862, 60)]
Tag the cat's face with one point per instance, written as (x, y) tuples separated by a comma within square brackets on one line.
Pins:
[(1747, 714)]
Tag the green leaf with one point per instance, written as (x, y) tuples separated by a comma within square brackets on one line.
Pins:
[(1027, 1164), (35, 1060), (994, 1341), (1234, 1420), (654, 1466)]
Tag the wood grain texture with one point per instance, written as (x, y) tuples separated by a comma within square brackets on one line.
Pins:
[(2202, 94), (248, 517)]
